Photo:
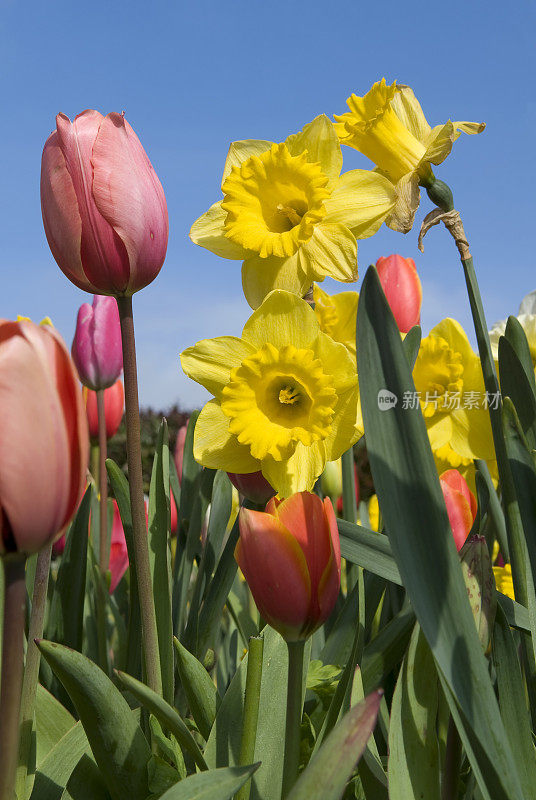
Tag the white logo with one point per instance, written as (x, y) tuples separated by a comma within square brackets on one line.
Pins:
[(386, 400)]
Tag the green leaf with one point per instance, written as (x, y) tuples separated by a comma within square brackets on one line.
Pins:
[(160, 558), (414, 511), (370, 550), (86, 782), (203, 697), (516, 385), (412, 343), (413, 767), (387, 649), (328, 772), (55, 770), (165, 714), (52, 722), (118, 744), (218, 784), (516, 336)]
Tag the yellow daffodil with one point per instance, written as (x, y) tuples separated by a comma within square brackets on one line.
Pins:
[(503, 580), (289, 215), (448, 380), (285, 396), (374, 512), (388, 126), (337, 315)]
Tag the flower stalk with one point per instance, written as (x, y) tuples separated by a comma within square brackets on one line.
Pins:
[(294, 714), (251, 709), (103, 484)]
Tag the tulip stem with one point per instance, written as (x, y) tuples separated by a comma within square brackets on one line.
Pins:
[(31, 669), (103, 484), (135, 478), (12, 669), (294, 715), (251, 709), (94, 462)]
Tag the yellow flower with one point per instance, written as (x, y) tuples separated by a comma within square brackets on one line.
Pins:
[(448, 378), (527, 319), (374, 512), (337, 315), (289, 215), (503, 580), (285, 396), (388, 126)]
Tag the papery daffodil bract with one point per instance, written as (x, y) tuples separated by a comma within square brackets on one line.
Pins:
[(337, 315), (289, 215), (448, 376), (388, 126), (285, 396)]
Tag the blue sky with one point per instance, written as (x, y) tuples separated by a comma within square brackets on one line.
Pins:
[(192, 77)]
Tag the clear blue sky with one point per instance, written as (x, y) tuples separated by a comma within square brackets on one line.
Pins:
[(194, 76)]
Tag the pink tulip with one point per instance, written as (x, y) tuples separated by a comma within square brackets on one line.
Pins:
[(403, 290), (290, 556), (114, 404), (104, 209), (174, 514), (253, 485), (43, 436), (461, 505), (96, 348), (179, 449), (118, 550)]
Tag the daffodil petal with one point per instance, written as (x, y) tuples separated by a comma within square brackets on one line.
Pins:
[(347, 425), (260, 276), (344, 306), (338, 362), (408, 197), (299, 472), (331, 252), (208, 232), (210, 361), (470, 127), (440, 143), (471, 433), (361, 200), (409, 112), (215, 447), (453, 333), (322, 145), (440, 431), (242, 150), (283, 318)]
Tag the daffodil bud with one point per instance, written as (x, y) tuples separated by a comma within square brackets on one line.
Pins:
[(478, 576)]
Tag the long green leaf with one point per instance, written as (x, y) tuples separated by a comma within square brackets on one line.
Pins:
[(218, 784), (516, 385), (203, 697), (55, 770), (52, 722), (86, 782), (370, 550), (408, 488), (117, 741)]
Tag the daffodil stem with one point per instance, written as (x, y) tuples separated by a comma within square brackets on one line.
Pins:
[(103, 484), (349, 503), (294, 714), (31, 669), (12, 669), (137, 505), (251, 709)]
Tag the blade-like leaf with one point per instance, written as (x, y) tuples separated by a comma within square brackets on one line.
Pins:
[(218, 784), (516, 385), (368, 549), (86, 782), (203, 697), (55, 770)]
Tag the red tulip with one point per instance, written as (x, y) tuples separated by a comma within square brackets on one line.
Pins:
[(43, 436), (253, 485), (104, 209), (179, 449), (96, 348), (114, 403), (403, 290), (461, 504), (290, 556)]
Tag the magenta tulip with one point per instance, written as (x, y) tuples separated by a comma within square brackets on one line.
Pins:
[(290, 556), (43, 437), (104, 209), (96, 348)]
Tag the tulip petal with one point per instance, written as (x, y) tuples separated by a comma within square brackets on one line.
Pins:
[(275, 568), (210, 361), (241, 150), (457, 482), (330, 581), (361, 200), (322, 144), (282, 318), (330, 252), (260, 276), (130, 197), (459, 512), (208, 231), (215, 447)]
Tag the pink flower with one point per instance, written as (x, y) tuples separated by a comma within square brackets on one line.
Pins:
[(104, 209), (96, 348), (114, 404), (402, 287), (179, 449), (461, 505), (290, 556), (118, 550), (253, 485), (43, 436)]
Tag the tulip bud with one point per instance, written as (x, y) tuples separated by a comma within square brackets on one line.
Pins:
[(253, 485), (96, 349), (43, 438), (402, 286), (114, 403), (104, 209), (118, 550), (460, 503), (179, 449), (478, 576), (290, 556)]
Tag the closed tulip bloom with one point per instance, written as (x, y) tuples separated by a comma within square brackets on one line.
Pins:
[(403, 290), (96, 348), (253, 485), (179, 449), (104, 209), (461, 505), (290, 556), (114, 404), (118, 550), (43, 436)]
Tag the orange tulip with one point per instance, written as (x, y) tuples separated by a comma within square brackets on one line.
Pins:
[(114, 404), (43, 436), (461, 504), (403, 290), (290, 556)]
